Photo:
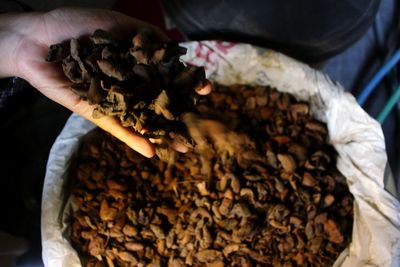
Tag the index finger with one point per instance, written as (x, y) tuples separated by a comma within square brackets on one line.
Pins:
[(112, 125)]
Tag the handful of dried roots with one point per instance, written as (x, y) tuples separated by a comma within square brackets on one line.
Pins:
[(140, 80), (277, 201)]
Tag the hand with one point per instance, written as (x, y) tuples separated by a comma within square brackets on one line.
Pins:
[(25, 44)]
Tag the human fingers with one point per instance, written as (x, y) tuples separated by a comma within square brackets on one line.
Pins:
[(206, 89), (179, 146), (134, 140), (112, 125)]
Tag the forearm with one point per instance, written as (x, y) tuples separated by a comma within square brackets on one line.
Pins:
[(15, 27)]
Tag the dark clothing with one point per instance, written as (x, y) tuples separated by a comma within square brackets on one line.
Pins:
[(310, 30), (8, 88), (11, 86)]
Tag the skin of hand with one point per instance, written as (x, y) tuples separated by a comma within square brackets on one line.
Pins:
[(24, 44)]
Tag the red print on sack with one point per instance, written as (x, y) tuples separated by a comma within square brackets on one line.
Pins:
[(224, 46), (203, 52), (209, 53)]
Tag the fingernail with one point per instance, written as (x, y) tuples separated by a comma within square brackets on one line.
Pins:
[(180, 147), (206, 89)]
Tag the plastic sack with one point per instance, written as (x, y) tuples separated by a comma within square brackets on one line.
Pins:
[(357, 138)]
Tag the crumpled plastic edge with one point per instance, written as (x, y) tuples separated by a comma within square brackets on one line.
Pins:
[(57, 251)]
